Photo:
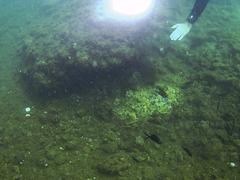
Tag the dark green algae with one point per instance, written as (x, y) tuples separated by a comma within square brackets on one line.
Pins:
[(73, 133)]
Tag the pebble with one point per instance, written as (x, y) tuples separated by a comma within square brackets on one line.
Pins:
[(161, 49), (232, 164), (27, 109), (27, 115)]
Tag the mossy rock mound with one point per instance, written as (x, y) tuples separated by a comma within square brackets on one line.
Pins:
[(75, 41)]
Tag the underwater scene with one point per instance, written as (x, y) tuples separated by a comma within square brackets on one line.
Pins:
[(120, 89)]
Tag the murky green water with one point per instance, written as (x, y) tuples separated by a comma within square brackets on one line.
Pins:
[(118, 100)]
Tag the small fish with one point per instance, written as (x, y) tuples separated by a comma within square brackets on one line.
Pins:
[(155, 138), (187, 151)]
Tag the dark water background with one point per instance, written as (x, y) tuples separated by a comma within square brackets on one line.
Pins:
[(69, 137)]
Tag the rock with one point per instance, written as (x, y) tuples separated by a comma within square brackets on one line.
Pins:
[(139, 156), (114, 164)]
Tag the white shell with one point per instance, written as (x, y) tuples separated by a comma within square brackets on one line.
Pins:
[(27, 109), (27, 115), (232, 164)]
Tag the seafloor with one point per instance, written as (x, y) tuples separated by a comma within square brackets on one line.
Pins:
[(113, 100)]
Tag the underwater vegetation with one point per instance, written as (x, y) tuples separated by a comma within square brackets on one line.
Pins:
[(86, 97), (142, 104)]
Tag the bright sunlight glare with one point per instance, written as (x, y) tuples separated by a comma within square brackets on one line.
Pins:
[(131, 7)]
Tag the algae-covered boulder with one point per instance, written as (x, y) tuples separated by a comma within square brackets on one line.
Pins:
[(142, 104), (115, 164), (75, 41)]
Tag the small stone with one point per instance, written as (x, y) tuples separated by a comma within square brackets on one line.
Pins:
[(232, 164), (161, 49), (27, 115), (27, 109)]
